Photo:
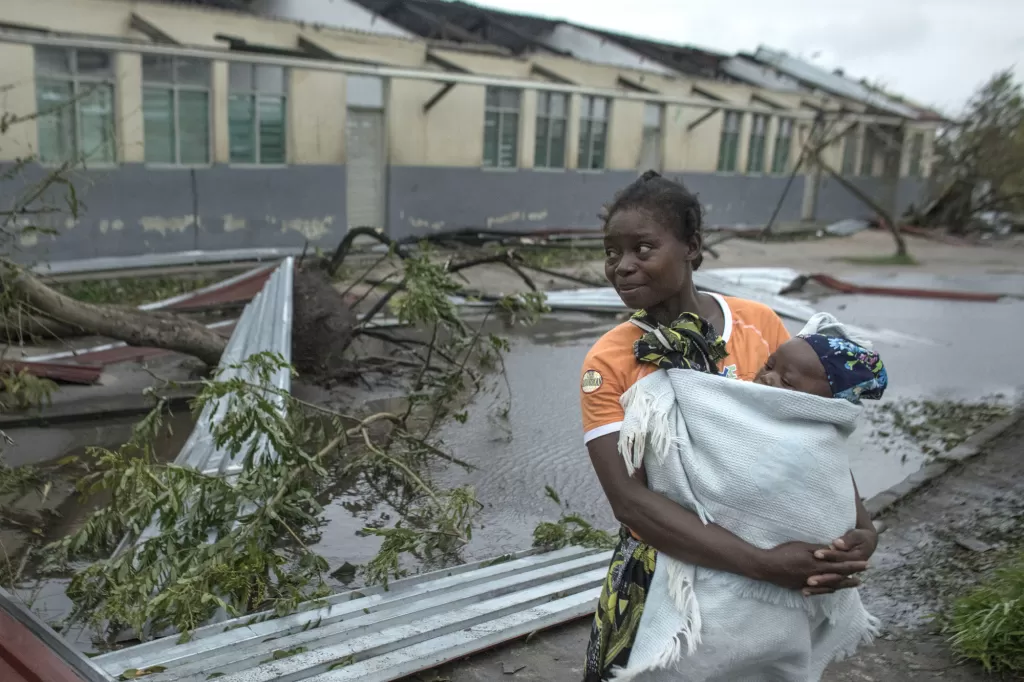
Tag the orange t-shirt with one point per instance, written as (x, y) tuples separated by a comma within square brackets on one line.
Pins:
[(752, 332)]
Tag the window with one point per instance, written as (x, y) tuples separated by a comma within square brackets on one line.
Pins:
[(916, 152), (75, 101), (783, 146), (755, 152), (552, 114), (593, 132), (850, 152), (257, 125), (729, 145), (176, 109), (501, 128), (650, 144)]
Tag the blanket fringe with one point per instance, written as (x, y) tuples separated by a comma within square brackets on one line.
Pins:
[(647, 426), (681, 591), (867, 638)]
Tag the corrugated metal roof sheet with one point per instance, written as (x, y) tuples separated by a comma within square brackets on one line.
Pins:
[(377, 634), (831, 82)]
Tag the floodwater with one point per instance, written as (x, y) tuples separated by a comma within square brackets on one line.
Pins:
[(933, 349)]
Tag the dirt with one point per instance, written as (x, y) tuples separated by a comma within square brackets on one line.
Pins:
[(322, 329), (937, 544)]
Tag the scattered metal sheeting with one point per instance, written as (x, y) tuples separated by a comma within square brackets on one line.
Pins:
[(69, 374), (163, 260), (264, 326), (770, 280), (727, 284), (375, 634), (110, 353)]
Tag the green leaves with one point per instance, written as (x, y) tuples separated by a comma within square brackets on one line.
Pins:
[(570, 529), (987, 625)]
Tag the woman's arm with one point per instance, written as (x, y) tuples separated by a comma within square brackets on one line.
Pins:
[(678, 532)]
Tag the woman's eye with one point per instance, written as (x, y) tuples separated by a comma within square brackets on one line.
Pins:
[(610, 253), (644, 248)]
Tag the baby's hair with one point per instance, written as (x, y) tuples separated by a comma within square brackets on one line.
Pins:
[(671, 204)]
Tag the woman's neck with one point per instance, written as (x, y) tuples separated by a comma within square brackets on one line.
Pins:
[(687, 301)]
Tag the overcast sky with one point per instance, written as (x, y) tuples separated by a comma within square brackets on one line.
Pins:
[(935, 51)]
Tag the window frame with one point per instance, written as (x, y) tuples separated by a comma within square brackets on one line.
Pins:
[(502, 112), (868, 155), (253, 94), (778, 168), (175, 87), (76, 80), (915, 164), (762, 138), (734, 137), (851, 142), (545, 114), (587, 115)]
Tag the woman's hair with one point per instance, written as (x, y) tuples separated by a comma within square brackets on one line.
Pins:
[(672, 205)]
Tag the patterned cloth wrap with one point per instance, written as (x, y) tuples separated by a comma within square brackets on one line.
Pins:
[(854, 372)]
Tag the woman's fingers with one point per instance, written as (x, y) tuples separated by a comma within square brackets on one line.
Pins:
[(840, 556), (837, 573), (841, 585)]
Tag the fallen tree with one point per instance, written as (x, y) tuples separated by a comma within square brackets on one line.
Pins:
[(135, 327)]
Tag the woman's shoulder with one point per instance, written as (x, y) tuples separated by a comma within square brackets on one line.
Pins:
[(616, 343), (750, 311)]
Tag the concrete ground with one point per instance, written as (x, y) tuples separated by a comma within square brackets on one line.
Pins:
[(921, 564)]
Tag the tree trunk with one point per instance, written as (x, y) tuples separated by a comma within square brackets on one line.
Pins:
[(887, 218), (134, 327)]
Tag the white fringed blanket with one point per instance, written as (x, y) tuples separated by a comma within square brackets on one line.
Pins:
[(771, 466)]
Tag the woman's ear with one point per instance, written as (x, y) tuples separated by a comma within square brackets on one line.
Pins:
[(694, 246)]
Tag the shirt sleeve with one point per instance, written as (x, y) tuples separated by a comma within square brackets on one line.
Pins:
[(600, 390)]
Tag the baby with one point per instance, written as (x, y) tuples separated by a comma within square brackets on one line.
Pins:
[(825, 365)]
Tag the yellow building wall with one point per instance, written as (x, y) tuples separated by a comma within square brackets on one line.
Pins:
[(18, 99), (83, 17), (219, 104), (129, 122), (316, 111), (625, 135), (450, 134)]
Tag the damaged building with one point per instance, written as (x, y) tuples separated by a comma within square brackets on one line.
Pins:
[(239, 124)]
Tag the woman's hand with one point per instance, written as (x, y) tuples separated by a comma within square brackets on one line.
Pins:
[(857, 545), (802, 566)]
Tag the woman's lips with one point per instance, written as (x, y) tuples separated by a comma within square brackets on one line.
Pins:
[(625, 288)]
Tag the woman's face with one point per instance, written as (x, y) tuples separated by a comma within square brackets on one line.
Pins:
[(645, 262)]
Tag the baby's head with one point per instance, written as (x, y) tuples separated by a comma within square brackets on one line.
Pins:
[(825, 365)]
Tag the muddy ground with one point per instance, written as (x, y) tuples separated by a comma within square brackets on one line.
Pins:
[(922, 562)]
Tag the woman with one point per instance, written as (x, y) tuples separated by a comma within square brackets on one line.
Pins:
[(653, 238)]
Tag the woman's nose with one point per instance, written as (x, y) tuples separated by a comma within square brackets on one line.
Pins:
[(625, 266)]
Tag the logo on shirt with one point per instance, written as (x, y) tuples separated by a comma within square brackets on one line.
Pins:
[(729, 372), (591, 381)]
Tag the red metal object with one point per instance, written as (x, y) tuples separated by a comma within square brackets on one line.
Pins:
[(850, 288), (240, 290), (32, 652), (78, 373)]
